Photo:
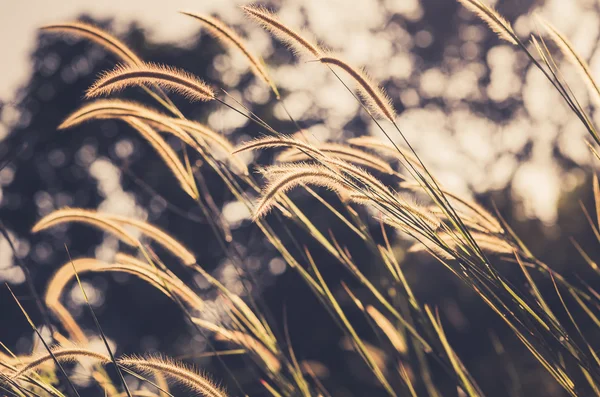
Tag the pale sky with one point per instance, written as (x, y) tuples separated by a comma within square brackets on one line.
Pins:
[(20, 19)]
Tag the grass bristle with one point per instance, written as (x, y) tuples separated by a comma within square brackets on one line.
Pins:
[(297, 175), (386, 149), (175, 371), (341, 151), (277, 142), (376, 100), (229, 37), (490, 16), (574, 58), (287, 35), (414, 212), (166, 77), (470, 241), (486, 242)]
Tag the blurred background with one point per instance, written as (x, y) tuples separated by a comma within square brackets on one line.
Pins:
[(485, 122)]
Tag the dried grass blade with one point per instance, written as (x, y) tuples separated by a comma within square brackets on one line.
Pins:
[(250, 343), (202, 133), (341, 217), (167, 283), (392, 333), (536, 292), (596, 188), (470, 388), (98, 36), (357, 341), (270, 389), (156, 234), (586, 308), (116, 109), (414, 212), (67, 215), (276, 142), (406, 378), (107, 108), (562, 301), (125, 264), (586, 257), (38, 333), (99, 328), (167, 154)]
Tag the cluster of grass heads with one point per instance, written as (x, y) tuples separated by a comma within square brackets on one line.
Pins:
[(466, 238)]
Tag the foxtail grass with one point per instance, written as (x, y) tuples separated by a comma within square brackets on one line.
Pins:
[(170, 78), (376, 99), (176, 372), (229, 37), (284, 33), (63, 355), (466, 238), (495, 21), (99, 36)]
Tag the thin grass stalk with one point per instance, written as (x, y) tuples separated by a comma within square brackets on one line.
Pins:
[(46, 346), (356, 339), (167, 154), (575, 59), (469, 386)]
